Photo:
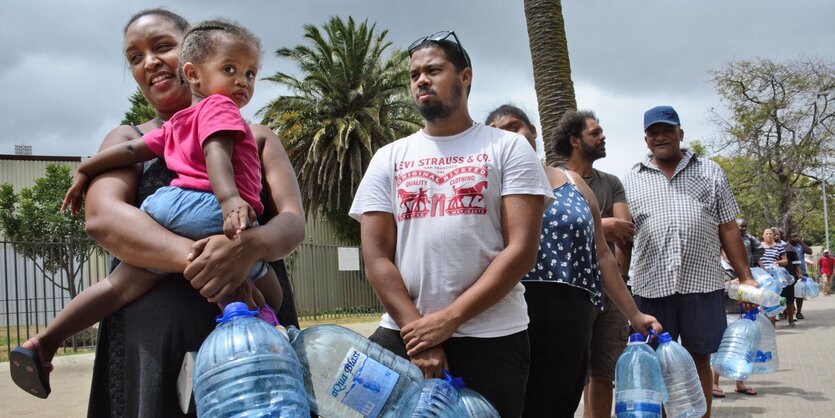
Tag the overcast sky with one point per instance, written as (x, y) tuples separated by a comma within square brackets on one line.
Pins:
[(65, 84)]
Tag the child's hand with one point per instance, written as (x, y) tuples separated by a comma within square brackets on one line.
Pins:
[(75, 195), (237, 215)]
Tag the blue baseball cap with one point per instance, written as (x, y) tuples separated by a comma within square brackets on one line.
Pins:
[(661, 114)]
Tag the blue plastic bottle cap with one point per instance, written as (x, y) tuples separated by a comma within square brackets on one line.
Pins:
[(235, 309), (751, 315), (636, 337), (665, 337)]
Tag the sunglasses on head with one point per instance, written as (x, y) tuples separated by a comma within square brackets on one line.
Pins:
[(438, 37)]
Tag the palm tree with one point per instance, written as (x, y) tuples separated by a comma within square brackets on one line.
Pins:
[(551, 66), (347, 104)]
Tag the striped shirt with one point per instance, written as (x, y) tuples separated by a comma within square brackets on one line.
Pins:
[(771, 255), (676, 246)]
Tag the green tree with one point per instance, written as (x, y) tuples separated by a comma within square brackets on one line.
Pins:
[(347, 103), (140, 110), (551, 67), (55, 241), (781, 120)]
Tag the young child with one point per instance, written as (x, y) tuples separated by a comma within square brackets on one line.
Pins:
[(213, 152)]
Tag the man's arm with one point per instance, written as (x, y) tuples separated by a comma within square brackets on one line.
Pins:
[(619, 228), (806, 249), (379, 242), (521, 224)]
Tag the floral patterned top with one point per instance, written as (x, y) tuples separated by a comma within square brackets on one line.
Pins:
[(567, 252)]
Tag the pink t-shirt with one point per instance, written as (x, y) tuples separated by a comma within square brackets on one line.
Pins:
[(180, 143)]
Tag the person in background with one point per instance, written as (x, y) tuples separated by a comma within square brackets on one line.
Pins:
[(753, 247), (825, 265), (564, 289), (684, 213), (775, 255), (797, 245)]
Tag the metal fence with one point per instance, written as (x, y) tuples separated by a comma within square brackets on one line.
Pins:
[(31, 297), (322, 290)]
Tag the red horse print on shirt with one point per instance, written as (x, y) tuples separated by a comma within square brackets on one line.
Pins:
[(415, 204), (466, 197)]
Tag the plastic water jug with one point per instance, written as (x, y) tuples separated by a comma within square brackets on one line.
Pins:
[(800, 289), (766, 280), (766, 360), (476, 406), (346, 375), (753, 294), (439, 399), (686, 398), (472, 403), (811, 287), (771, 311), (782, 275), (246, 368), (735, 357), (639, 387)]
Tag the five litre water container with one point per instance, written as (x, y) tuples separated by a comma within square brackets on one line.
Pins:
[(766, 360), (766, 280), (735, 357), (346, 375), (781, 274), (472, 403), (245, 368), (639, 387), (812, 289), (800, 289), (686, 398), (439, 399), (753, 294)]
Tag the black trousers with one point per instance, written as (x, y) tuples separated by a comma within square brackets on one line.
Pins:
[(497, 368), (559, 334)]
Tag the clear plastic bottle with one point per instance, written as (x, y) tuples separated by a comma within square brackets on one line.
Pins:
[(246, 368), (781, 274), (439, 399), (766, 360), (686, 398), (639, 387), (800, 289), (811, 286), (771, 311), (735, 357), (346, 375), (753, 294), (476, 406), (766, 280)]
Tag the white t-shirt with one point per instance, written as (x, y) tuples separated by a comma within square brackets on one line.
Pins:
[(445, 196)]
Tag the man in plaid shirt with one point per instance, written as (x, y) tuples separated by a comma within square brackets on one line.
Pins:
[(684, 214)]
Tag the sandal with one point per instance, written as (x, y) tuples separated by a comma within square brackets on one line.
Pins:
[(747, 391), (29, 370), (718, 393)]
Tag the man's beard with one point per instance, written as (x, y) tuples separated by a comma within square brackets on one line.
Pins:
[(437, 111), (591, 153)]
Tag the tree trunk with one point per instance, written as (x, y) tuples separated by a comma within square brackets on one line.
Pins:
[(551, 67)]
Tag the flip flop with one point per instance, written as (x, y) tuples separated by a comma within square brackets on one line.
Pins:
[(747, 391), (718, 393), (29, 370)]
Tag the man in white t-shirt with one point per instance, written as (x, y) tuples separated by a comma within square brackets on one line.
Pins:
[(450, 222)]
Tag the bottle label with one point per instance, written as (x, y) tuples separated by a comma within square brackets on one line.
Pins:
[(363, 384), (637, 400)]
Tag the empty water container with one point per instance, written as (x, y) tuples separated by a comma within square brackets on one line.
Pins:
[(472, 403), (811, 287), (684, 390), (771, 311), (766, 280), (639, 387), (766, 360), (735, 357), (439, 399), (346, 375), (246, 368)]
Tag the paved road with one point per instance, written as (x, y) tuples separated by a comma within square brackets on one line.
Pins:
[(803, 387)]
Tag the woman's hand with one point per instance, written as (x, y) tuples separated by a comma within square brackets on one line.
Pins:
[(218, 266)]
